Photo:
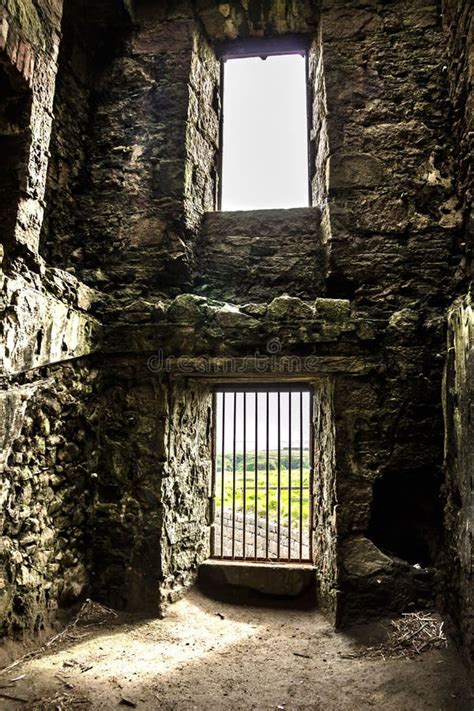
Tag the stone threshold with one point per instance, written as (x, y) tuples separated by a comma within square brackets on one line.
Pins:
[(279, 579)]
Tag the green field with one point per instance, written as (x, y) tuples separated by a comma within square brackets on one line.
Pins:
[(261, 477)]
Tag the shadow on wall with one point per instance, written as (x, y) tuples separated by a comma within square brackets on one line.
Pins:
[(15, 108), (339, 286), (406, 515)]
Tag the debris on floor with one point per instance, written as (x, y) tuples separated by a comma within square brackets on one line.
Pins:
[(409, 636), (256, 658), (61, 702), (91, 614)]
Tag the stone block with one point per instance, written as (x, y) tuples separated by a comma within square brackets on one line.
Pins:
[(186, 308), (40, 329), (354, 170), (271, 579), (349, 23), (361, 558), (289, 308), (3, 28)]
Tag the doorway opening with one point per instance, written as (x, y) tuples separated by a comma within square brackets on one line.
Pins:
[(262, 477)]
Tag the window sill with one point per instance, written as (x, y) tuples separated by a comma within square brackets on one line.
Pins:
[(279, 579), (273, 213)]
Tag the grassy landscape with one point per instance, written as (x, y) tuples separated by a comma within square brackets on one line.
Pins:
[(260, 499)]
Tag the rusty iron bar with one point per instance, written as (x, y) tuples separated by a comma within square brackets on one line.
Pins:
[(244, 468), (233, 474), (212, 499), (289, 475), (255, 469), (278, 475), (222, 475), (267, 477), (301, 475)]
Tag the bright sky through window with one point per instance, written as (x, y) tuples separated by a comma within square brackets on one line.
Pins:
[(285, 435), (265, 141)]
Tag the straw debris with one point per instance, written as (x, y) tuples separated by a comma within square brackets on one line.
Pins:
[(409, 636)]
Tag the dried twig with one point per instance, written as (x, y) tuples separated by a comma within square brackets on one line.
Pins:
[(92, 612), (60, 702), (409, 636), (3, 695)]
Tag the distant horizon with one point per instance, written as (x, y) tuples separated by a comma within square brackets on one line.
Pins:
[(251, 450)]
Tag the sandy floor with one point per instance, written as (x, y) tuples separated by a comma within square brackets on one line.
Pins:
[(209, 655)]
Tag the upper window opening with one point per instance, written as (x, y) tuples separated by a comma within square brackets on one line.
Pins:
[(265, 133)]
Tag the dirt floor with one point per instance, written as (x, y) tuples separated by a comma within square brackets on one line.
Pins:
[(214, 655)]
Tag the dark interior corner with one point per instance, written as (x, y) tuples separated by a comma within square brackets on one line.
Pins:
[(406, 516)]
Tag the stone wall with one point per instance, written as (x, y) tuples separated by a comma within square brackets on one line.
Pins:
[(185, 488), (390, 170), (92, 34), (458, 19), (149, 520), (459, 28), (130, 188), (254, 256), (459, 457), (229, 21), (127, 514), (201, 180), (14, 139), (47, 432), (388, 509), (138, 194), (390, 217), (49, 453), (148, 171)]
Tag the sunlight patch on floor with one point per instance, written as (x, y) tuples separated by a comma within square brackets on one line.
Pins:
[(165, 647)]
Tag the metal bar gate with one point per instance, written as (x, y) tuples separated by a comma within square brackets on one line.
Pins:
[(262, 479)]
